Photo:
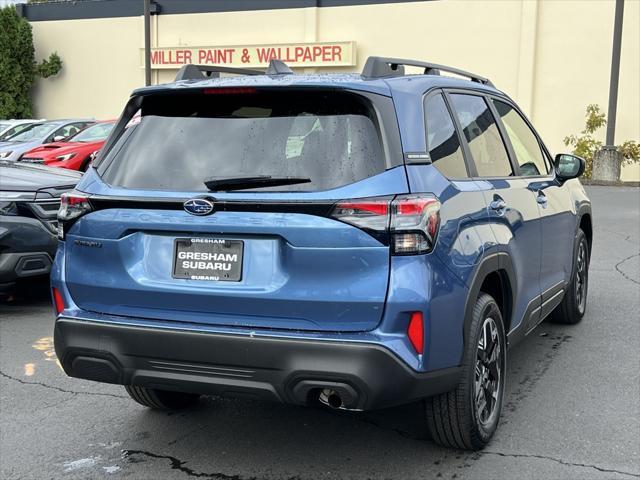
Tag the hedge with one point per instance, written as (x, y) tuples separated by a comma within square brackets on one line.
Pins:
[(18, 68)]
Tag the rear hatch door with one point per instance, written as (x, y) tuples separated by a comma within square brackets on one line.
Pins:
[(264, 257)]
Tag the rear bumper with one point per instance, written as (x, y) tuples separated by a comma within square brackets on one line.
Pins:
[(368, 376)]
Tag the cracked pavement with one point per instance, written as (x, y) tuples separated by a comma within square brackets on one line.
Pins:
[(572, 406)]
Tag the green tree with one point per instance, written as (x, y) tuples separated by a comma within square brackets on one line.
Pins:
[(586, 146), (18, 68)]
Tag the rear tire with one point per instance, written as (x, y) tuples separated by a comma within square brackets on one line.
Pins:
[(574, 304), (161, 399), (467, 417)]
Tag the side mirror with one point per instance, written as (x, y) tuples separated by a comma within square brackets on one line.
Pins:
[(569, 166), (59, 138)]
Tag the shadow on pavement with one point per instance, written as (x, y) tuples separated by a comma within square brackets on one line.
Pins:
[(30, 291)]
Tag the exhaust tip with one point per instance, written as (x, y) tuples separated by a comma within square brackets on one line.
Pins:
[(330, 398), (335, 395)]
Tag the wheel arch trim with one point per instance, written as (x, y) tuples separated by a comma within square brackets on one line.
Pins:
[(585, 211), (501, 263)]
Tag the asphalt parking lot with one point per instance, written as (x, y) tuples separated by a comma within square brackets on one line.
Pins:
[(572, 408)]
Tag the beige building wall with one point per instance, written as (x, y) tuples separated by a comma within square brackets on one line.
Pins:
[(552, 56)]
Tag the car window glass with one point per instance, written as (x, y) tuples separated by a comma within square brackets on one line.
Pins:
[(525, 143), (10, 132), (487, 148), (442, 139), (301, 129), (333, 140), (94, 133), (32, 133), (68, 130)]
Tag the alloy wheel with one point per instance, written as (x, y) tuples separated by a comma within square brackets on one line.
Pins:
[(581, 277), (488, 372)]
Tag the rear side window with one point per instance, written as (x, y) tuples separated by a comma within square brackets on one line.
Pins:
[(485, 143), (442, 139), (94, 133), (524, 141), (68, 130), (332, 138)]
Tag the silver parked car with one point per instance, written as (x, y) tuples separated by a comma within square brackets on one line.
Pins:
[(40, 133), (9, 128)]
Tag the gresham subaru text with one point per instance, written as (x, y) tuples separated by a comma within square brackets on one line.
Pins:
[(358, 240)]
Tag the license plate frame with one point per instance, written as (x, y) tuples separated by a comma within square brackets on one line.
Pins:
[(214, 253)]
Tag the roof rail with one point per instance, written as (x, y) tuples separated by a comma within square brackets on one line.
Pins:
[(202, 72), (378, 67), (278, 67)]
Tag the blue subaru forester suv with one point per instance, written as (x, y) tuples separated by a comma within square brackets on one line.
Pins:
[(361, 241)]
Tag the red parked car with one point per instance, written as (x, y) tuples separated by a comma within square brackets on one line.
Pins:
[(75, 152)]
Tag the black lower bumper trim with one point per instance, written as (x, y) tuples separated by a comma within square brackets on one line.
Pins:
[(286, 370), (17, 265)]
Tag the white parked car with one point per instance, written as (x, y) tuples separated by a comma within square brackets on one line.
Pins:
[(9, 128)]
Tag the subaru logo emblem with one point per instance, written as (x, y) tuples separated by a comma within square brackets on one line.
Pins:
[(198, 206)]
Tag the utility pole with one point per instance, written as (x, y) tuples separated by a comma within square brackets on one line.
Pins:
[(615, 74), (147, 42), (607, 162)]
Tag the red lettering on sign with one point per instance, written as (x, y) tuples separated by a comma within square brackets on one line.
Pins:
[(300, 54), (326, 53), (265, 54), (337, 53), (216, 56)]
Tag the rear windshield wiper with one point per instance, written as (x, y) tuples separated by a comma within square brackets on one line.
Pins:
[(216, 184)]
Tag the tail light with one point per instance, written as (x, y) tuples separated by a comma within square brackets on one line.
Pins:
[(415, 332), (410, 221), (58, 301), (72, 206)]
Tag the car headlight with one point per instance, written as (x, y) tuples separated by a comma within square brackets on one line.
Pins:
[(8, 208), (64, 158), (8, 205), (5, 154)]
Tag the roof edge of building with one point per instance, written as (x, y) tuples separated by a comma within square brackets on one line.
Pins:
[(95, 9)]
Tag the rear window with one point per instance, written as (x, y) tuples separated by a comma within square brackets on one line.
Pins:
[(332, 138)]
